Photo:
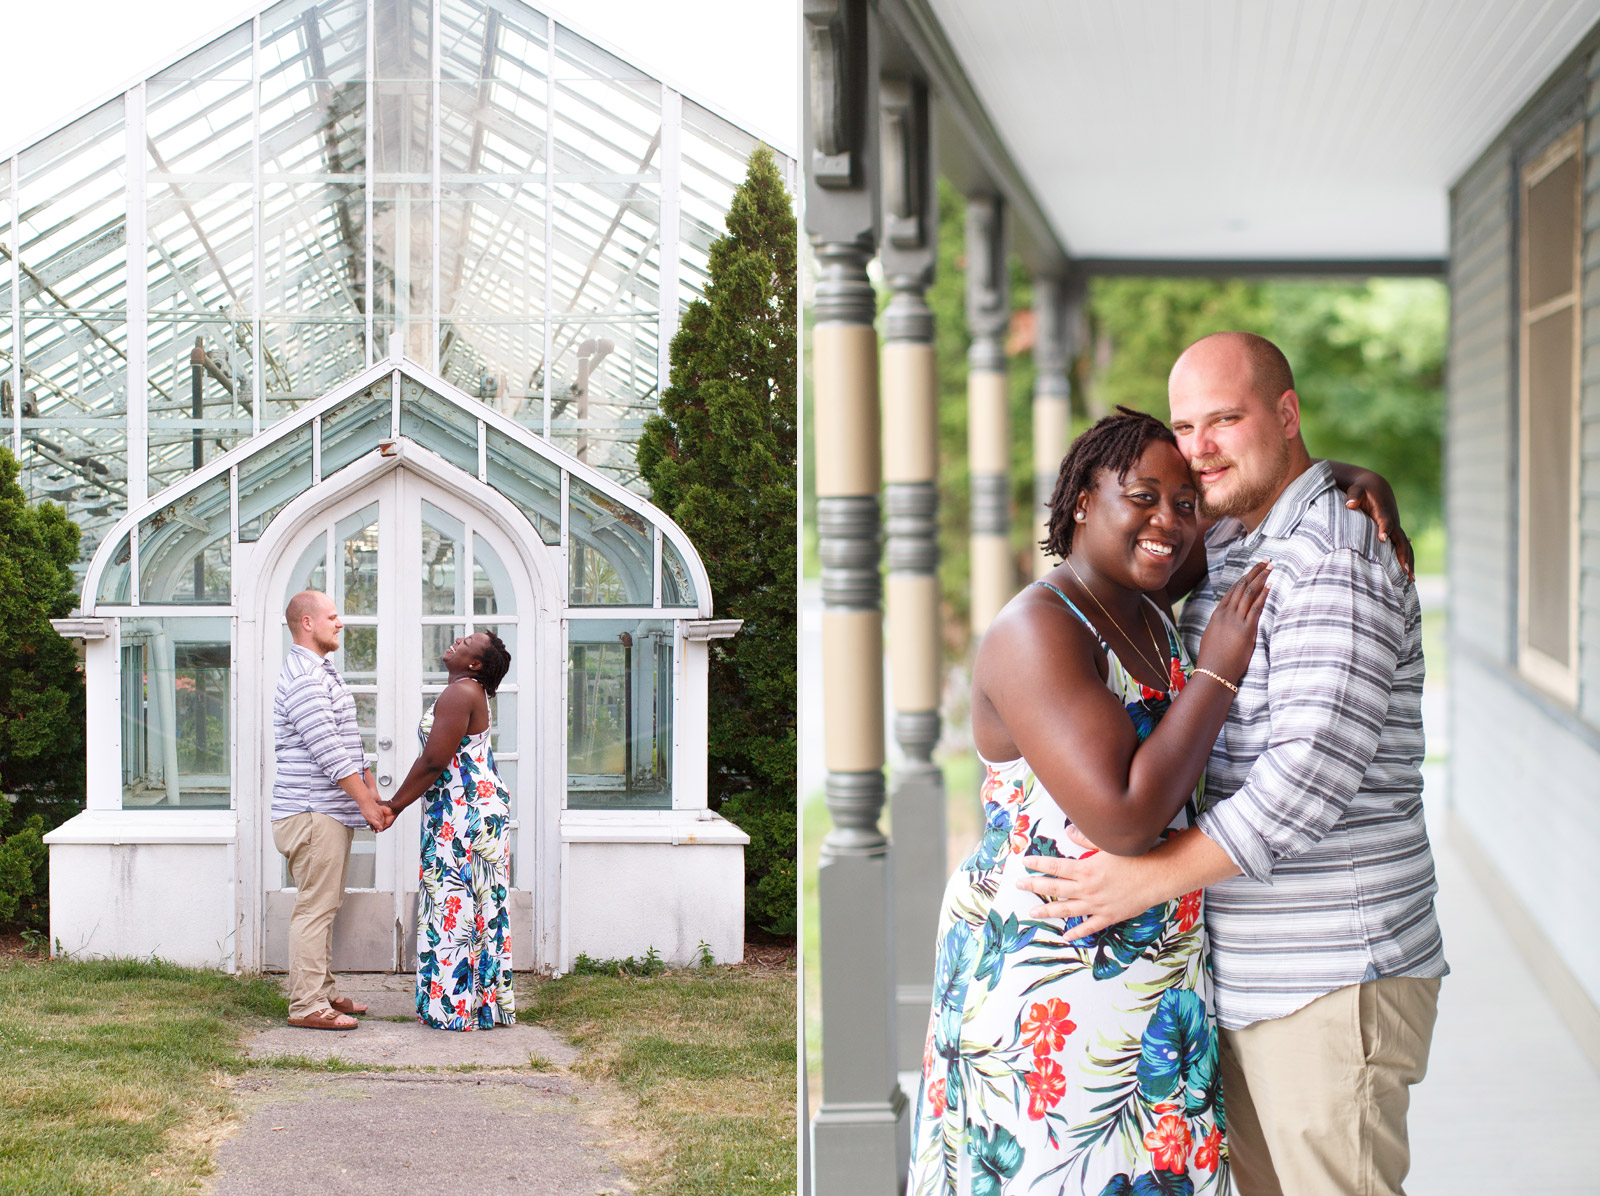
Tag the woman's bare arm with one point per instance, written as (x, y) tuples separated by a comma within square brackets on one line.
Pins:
[(452, 714), (1038, 693)]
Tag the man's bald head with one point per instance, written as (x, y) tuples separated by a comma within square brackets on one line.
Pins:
[(314, 621), (1251, 363), (306, 602)]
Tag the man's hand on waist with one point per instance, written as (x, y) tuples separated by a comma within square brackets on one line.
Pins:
[(1103, 889)]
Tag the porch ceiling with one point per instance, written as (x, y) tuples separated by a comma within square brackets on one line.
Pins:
[(1254, 129)]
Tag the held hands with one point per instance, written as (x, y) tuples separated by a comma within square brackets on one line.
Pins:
[(1230, 636), (1377, 502), (379, 814)]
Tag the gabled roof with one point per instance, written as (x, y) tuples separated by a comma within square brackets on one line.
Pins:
[(647, 560)]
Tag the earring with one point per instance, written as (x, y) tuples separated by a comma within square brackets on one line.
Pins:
[(1079, 516)]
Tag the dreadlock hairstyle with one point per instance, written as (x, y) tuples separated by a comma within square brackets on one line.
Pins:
[(1115, 444), (496, 660)]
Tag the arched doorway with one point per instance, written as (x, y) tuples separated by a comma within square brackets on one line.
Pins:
[(411, 565)]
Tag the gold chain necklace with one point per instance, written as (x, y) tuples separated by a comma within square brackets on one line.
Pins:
[(1159, 670)]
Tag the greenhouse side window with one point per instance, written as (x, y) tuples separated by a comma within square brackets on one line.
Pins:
[(619, 714), (177, 709)]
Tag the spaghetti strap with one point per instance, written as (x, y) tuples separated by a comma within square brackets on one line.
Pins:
[(1073, 607)]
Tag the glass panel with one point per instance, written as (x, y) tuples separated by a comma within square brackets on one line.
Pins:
[(116, 583), (73, 256), (603, 388), (714, 156), (199, 394), (303, 360), (270, 479), (619, 714), (313, 249), (439, 425), (185, 554), (176, 712), (500, 363), (612, 557), (310, 572), (366, 716), (359, 664), (491, 587), (402, 262), (491, 237), (353, 429), (436, 638), (313, 90), (358, 536), (531, 482), (677, 584), (441, 549)]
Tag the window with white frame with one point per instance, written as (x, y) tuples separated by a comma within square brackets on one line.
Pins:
[(1551, 239)]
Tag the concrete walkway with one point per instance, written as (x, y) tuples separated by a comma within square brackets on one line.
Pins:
[(495, 1111)]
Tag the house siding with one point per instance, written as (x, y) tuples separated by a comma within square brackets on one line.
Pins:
[(1524, 768)]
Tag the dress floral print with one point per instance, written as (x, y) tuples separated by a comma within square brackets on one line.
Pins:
[(1054, 1067), (463, 932)]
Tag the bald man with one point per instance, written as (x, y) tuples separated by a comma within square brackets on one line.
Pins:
[(1312, 848), (321, 792)]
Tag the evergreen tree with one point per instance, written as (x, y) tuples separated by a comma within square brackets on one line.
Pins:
[(41, 692), (720, 459)]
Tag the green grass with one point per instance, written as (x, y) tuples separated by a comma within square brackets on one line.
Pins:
[(705, 1056), (109, 1073)]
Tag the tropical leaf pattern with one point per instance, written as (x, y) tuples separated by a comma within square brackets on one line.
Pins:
[(463, 930), (1054, 1067)]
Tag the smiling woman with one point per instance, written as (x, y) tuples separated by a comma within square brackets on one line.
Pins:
[(1087, 724)]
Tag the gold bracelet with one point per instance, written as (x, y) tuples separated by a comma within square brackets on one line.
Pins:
[(1220, 678)]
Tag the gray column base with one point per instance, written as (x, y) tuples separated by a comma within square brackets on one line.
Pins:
[(861, 1149), (917, 816), (861, 1134)]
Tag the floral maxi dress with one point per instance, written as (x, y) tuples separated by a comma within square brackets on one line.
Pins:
[(463, 931), (1053, 1067)]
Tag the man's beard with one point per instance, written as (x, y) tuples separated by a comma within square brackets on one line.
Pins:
[(1249, 493)]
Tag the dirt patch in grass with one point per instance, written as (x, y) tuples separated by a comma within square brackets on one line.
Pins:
[(700, 1064), (115, 1074)]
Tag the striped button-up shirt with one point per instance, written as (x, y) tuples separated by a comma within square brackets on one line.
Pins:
[(316, 740), (1314, 785)]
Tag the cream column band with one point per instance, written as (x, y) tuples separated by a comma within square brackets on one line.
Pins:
[(988, 423), (914, 641), (910, 412), (852, 715), (845, 368), (1052, 421)]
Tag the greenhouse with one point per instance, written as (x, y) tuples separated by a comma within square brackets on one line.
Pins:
[(374, 297)]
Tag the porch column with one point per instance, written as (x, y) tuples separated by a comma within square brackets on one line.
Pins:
[(1052, 412), (860, 1134), (988, 414), (910, 475)]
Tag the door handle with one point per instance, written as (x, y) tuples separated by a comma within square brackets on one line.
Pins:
[(386, 780), (385, 743)]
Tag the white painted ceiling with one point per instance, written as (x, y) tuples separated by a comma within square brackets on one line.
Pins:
[(1255, 128)]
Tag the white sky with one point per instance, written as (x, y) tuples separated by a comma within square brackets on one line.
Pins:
[(739, 56)]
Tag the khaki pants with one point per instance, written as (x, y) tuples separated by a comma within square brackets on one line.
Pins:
[(1316, 1101), (318, 850)]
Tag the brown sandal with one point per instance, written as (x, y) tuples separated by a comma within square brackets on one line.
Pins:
[(324, 1019), (347, 1005)]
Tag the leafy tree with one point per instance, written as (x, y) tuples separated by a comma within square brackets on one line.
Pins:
[(41, 692), (720, 459)]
